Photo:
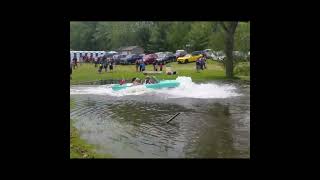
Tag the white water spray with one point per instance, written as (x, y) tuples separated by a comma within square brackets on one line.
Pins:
[(186, 89)]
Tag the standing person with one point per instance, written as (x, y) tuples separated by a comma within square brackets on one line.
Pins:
[(140, 66), (137, 64), (154, 65), (75, 63), (157, 65), (111, 65), (198, 65), (143, 67), (108, 63), (96, 61), (161, 64), (104, 62), (204, 62), (86, 58), (83, 58), (201, 63)]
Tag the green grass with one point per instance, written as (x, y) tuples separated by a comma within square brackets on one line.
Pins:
[(72, 104), (87, 72), (242, 69), (245, 78), (80, 149)]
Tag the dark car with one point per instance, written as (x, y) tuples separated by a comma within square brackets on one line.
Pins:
[(170, 57), (130, 59), (195, 53), (240, 56), (160, 56), (150, 58), (166, 57), (117, 58)]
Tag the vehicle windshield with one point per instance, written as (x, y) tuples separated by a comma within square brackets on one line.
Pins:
[(161, 55), (150, 55)]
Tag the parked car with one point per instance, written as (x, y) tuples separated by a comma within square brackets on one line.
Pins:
[(130, 59), (208, 53), (117, 58), (193, 57), (161, 57), (110, 54), (159, 54), (170, 57), (240, 56), (150, 58), (123, 58), (219, 56), (180, 53), (142, 55)]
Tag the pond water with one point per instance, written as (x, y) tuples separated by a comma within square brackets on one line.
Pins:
[(214, 120)]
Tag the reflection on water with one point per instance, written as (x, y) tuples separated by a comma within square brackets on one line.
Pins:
[(135, 126)]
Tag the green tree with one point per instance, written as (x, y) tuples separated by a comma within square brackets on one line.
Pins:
[(199, 34), (158, 36), (176, 36), (102, 36), (229, 29), (142, 36), (79, 35), (242, 37), (161, 36), (216, 39)]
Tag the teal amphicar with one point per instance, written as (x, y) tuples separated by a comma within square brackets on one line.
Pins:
[(161, 84)]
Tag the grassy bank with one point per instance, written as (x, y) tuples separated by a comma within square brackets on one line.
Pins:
[(87, 72), (71, 103), (78, 147)]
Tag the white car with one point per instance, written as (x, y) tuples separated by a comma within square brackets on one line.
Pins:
[(219, 55), (180, 53), (209, 53)]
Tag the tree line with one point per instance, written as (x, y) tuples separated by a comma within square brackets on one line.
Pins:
[(157, 36)]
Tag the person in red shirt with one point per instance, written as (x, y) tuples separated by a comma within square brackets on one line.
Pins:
[(161, 64), (122, 82)]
